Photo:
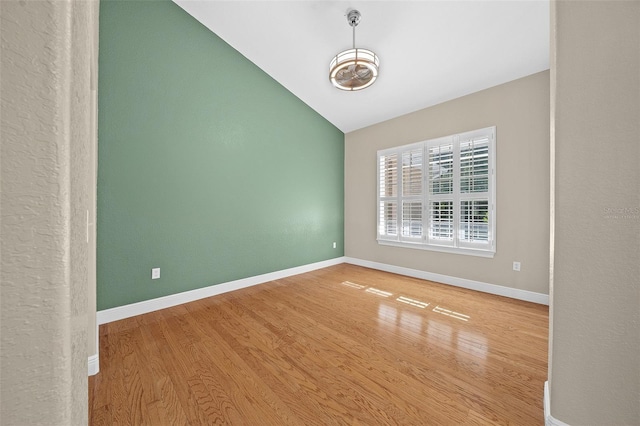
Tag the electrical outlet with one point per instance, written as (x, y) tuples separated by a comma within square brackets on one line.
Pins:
[(516, 266), (334, 244), (155, 273)]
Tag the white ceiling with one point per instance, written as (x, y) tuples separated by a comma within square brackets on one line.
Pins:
[(430, 51)]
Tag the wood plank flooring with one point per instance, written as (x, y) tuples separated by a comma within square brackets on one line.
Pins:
[(344, 345)]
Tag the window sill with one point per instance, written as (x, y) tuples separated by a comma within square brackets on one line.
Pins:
[(442, 249)]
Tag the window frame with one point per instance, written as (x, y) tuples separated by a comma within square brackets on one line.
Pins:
[(459, 243)]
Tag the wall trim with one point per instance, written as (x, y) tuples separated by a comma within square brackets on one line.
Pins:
[(139, 308), (499, 290), (549, 420), (146, 306), (94, 365), (94, 360)]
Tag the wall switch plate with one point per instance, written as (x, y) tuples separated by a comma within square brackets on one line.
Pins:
[(334, 244), (516, 266), (155, 273)]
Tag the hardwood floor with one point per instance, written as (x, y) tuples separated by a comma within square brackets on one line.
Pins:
[(343, 345)]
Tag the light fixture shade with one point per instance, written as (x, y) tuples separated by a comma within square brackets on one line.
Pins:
[(354, 69)]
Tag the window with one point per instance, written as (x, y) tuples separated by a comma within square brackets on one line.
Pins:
[(439, 194)]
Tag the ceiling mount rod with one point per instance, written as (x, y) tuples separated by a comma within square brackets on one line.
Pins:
[(353, 18), (354, 37)]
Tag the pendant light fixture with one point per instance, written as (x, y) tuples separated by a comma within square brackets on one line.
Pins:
[(354, 69)]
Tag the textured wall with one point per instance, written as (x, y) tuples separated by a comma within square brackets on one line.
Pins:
[(208, 168), (520, 111), (46, 137), (595, 297)]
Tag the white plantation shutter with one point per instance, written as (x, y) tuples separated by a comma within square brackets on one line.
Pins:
[(474, 165), (474, 208), (474, 217), (412, 194), (412, 172), (412, 219), (441, 222), (388, 195), (439, 194), (441, 167), (388, 175), (441, 189), (388, 218)]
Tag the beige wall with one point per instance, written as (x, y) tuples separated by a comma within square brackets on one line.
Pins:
[(595, 297), (47, 187), (520, 112)]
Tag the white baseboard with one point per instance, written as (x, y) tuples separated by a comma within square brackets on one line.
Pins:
[(94, 365), (94, 360), (126, 311), (499, 290), (549, 420)]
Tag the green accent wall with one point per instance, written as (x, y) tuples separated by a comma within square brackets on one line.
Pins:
[(208, 168)]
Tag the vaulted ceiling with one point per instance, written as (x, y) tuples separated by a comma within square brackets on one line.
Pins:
[(430, 51)]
